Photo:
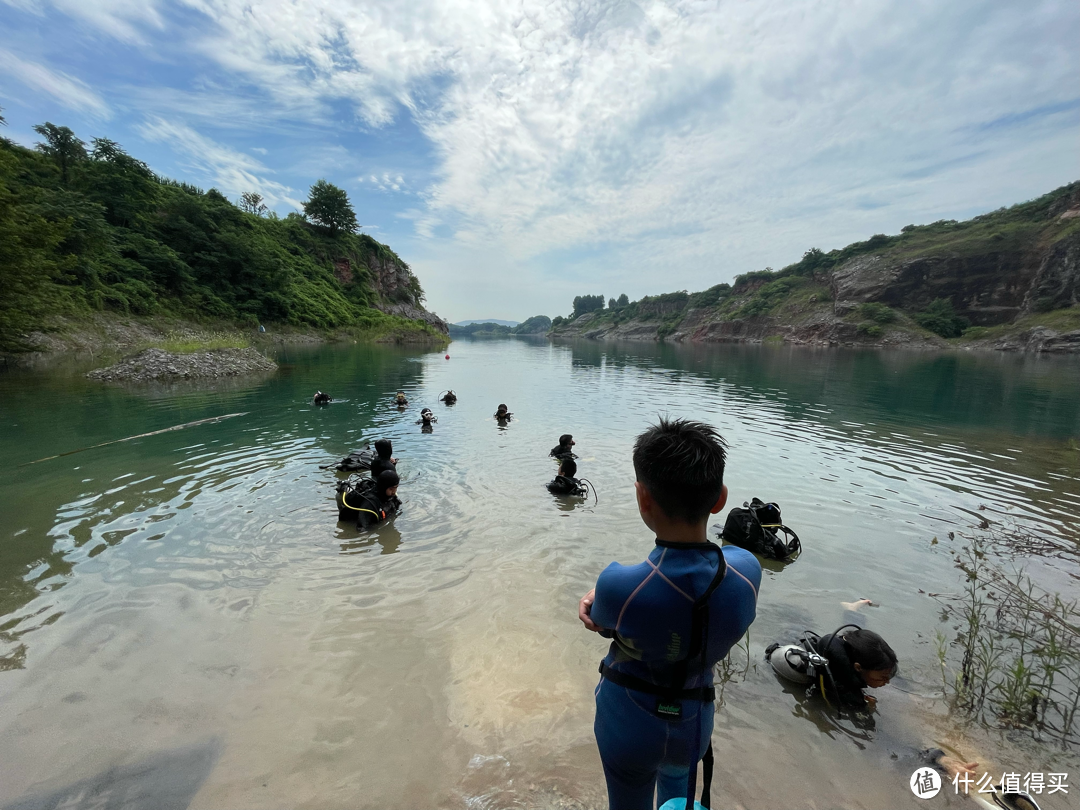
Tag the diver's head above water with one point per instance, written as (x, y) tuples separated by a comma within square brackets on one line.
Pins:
[(679, 465), (386, 485), (502, 412), (567, 441), (568, 467), (871, 656), (384, 448)]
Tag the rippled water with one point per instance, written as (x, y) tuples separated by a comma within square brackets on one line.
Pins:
[(181, 614)]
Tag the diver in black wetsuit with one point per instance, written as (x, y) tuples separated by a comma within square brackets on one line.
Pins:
[(449, 398), (502, 414), (427, 418), (854, 659), (321, 399), (400, 399), (565, 447), (383, 459), (369, 503), (564, 483)]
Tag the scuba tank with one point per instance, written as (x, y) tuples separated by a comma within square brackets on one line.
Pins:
[(794, 663)]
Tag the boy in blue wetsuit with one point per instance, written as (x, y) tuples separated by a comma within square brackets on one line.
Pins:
[(670, 618)]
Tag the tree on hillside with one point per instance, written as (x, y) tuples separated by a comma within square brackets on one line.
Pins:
[(329, 206), (612, 304), (3, 121), (62, 146), (587, 303), (252, 202)]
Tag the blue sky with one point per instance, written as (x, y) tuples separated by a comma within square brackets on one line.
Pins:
[(517, 154)]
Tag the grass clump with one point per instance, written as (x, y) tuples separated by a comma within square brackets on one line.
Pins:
[(1015, 660)]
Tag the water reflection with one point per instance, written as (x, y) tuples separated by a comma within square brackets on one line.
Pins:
[(218, 552), (386, 535)]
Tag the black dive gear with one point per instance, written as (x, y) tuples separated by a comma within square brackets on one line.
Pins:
[(383, 460), (757, 528), (427, 417), (356, 461), (366, 501), (824, 662), (400, 399), (321, 399), (692, 666), (565, 485), (565, 447), (502, 414), (449, 398)]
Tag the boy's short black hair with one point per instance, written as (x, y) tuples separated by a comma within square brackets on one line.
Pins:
[(565, 439), (681, 464), (870, 651), (568, 467)]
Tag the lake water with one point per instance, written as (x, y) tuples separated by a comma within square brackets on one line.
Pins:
[(184, 622)]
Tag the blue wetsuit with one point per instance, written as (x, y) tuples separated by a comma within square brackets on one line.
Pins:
[(646, 609)]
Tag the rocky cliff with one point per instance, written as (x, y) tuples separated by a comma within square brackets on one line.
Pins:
[(387, 283), (1008, 280)]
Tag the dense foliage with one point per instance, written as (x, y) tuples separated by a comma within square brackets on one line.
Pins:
[(940, 317), (536, 325), (84, 230), (329, 206), (587, 303)]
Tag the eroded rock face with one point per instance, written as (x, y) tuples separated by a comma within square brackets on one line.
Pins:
[(988, 289), (155, 364), (406, 310), (394, 285), (1057, 279)]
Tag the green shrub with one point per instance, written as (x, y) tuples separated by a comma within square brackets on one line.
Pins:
[(869, 329), (877, 312), (941, 318)]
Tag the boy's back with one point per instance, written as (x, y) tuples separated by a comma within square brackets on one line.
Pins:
[(648, 606)]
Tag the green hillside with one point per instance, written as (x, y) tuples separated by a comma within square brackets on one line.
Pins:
[(89, 228), (998, 274)]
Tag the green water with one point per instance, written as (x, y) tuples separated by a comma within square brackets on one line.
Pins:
[(182, 613)]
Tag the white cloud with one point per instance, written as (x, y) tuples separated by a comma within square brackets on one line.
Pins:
[(385, 181), (230, 171), (69, 91), (680, 141)]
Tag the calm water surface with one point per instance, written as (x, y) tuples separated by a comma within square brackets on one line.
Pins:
[(183, 621)]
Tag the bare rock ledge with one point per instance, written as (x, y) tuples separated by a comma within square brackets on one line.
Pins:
[(156, 364)]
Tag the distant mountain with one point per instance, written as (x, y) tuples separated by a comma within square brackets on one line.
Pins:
[(487, 320)]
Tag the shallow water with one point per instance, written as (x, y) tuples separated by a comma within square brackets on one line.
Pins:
[(182, 619)]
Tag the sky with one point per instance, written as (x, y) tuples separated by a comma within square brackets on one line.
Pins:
[(517, 153)]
